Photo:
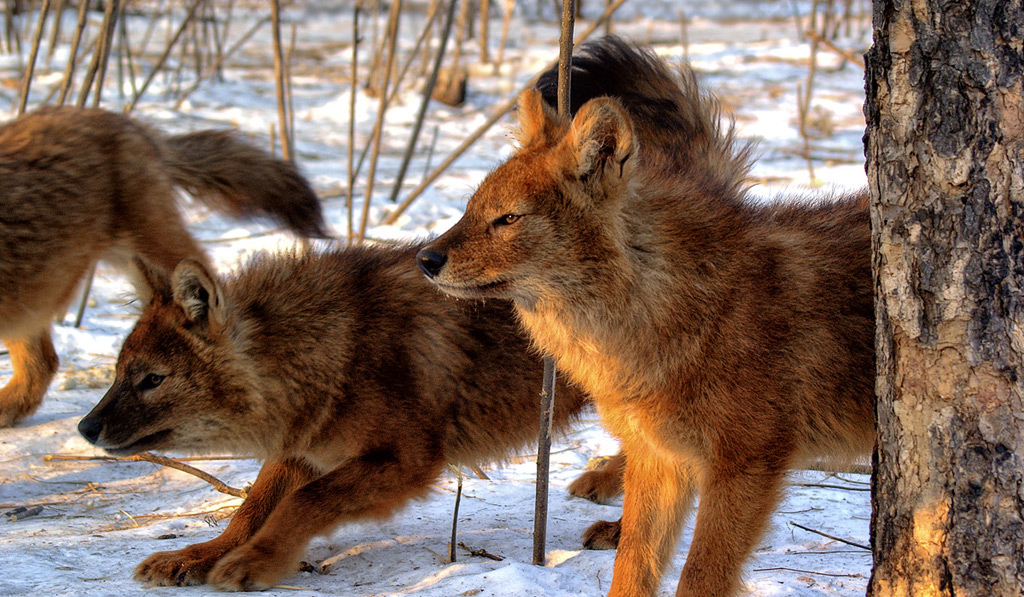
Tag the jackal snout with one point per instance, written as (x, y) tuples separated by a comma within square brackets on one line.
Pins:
[(90, 427), (431, 262)]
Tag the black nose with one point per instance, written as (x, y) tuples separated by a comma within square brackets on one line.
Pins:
[(431, 262), (90, 429)]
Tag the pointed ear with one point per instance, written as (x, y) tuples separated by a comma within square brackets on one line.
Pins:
[(196, 291), (149, 281), (602, 141), (539, 123)]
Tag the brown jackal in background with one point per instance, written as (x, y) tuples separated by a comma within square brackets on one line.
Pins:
[(723, 341), (347, 371), (78, 185)]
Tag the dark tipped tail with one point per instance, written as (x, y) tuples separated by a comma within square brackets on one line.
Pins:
[(240, 180), (676, 121)]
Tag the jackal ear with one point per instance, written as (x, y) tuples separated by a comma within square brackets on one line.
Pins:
[(197, 293), (149, 281), (601, 140), (539, 123)]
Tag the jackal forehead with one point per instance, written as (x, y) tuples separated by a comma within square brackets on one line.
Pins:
[(519, 183), (152, 340)]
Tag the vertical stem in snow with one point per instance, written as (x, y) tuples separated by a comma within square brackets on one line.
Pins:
[(547, 407)]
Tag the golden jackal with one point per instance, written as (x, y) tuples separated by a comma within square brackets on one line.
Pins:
[(346, 371), (78, 185), (723, 341)]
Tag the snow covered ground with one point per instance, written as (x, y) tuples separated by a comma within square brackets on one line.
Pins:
[(98, 519)]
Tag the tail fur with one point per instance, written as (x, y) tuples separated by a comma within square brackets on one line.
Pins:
[(234, 177), (677, 123)]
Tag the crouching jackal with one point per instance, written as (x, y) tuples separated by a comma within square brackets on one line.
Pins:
[(723, 341), (347, 371), (78, 185)]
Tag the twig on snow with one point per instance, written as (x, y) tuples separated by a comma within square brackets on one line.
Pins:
[(164, 461), (826, 535)]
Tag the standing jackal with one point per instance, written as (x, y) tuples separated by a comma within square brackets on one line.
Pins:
[(347, 371), (723, 341), (78, 185)]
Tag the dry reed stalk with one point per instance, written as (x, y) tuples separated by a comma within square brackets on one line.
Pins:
[(98, 67), (221, 59), (485, 18), (393, 16), (428, 91), (69, 69), (279, 78), (58, 9), (502, 110), (30, 68), (189, 16), (506, 21), (352, 119)]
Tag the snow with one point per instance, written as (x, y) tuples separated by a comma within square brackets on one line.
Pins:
[(101, 518)]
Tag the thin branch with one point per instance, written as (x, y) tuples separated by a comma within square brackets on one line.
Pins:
[(455, 513), (163, 461), (807, 572), (481, 553), (847, 54), (827, 536)]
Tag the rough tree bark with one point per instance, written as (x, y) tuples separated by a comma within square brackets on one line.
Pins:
[(945, 152)]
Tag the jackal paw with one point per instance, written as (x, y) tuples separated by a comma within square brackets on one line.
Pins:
[(596, 486), (250, 567), (602, 535), (184, 567)]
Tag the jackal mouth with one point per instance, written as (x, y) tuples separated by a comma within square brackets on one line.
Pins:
[(496, 289), (149, 442)]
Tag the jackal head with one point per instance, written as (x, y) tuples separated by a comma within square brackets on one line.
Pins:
[(175, 386), (547, 215)]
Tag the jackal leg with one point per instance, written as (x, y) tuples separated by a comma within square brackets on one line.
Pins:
[(34, 362), (659, 492), (736, 503), (370, 486), (601, 484), (190, 566)]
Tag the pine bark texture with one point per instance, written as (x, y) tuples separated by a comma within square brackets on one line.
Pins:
[(945, 153)]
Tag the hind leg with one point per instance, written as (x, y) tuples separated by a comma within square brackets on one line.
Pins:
[(34, 362), (601, 484), (372, 486)]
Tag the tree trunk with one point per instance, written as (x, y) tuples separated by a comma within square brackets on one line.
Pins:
[(945, 152)]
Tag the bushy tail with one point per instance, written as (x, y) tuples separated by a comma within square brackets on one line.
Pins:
[(677, 123), (234, 177)]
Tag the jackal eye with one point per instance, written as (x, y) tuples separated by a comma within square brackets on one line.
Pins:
[(507, 219), (151, 381)]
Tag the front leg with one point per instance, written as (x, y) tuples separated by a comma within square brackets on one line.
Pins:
[(736, 504), (659, 492), (372, 486), (191, 565)]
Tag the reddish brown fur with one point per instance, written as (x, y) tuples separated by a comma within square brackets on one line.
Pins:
[(346, 371), (79, 185), (723, 341)]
